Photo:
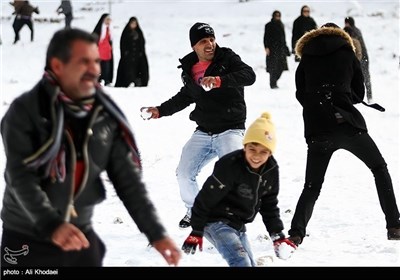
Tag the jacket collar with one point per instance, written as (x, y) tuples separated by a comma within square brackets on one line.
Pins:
[(322, 41)]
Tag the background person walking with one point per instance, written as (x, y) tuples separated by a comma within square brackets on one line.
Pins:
[(66, 9), (23, 16), (133, 66), (349, 22), (302, 24), (104, 35), (276, 50)]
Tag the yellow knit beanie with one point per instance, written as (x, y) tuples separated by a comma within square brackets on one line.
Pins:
[(262, 131)]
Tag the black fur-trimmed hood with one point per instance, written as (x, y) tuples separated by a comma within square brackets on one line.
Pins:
[(323, 41)]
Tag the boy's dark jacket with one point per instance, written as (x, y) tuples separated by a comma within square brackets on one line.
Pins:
[(234, 194), (36, 200)]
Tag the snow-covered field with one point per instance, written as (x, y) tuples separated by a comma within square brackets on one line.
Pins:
[(348, 226)]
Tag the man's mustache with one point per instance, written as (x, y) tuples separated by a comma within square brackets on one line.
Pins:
[(90, 76)]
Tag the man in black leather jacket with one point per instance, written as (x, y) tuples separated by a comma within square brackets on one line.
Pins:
[(58, 138), (214, 79)]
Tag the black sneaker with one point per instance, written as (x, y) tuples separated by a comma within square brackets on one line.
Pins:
[(185, 222), (295, 239), (393, 233)]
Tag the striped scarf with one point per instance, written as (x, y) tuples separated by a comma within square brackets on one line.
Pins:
[(77, 108)]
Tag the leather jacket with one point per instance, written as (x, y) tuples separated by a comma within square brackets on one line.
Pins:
[(41, 164), (234, 194)]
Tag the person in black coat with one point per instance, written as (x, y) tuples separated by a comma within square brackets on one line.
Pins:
[(23, 11), (276, 49), (213, 79), (133, 66), (59, 138), (329, 81), (66, 9), (301, 25), (349, 22), (242, 184)]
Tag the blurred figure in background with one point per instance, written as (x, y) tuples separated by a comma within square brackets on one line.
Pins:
[(103, 32), (301, 25), (133, 66), (349, 22), (356, 42), (276, 49), (66, 9), (23, 11)]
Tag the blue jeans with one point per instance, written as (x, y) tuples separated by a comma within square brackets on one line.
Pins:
[(232, 244), (197, 152)]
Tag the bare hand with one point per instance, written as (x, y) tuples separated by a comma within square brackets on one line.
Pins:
[(167, 248), (146, 111), (69, 238), (208, 82)]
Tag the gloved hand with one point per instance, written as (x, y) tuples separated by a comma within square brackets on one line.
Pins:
[(191, 242), (283, 247)]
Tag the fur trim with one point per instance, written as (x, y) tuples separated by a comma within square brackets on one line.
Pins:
[(308, 36)]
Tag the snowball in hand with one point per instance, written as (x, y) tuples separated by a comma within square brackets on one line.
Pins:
[(206, 88), (144, 114)]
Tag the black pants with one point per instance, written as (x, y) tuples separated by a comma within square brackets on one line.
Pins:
[(106, 71), (18, 24), (320, 151), (274, 77), (275, 71), (68, 20), (21, 250)]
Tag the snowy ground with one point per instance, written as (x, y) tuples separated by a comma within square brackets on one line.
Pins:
[(347, 228)]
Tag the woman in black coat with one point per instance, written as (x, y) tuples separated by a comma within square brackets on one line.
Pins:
[(275, 48), (302, 24), (133, 66), (329, 81)]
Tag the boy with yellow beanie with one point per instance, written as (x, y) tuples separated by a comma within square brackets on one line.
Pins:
[(243, 183)]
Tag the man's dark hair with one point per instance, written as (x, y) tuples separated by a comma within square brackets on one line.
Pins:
[(61, 43)]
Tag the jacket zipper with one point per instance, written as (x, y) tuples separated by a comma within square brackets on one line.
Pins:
[(260, 176), (71, 211)]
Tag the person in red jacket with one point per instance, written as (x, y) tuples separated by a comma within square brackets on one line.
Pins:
[(104, 36)]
